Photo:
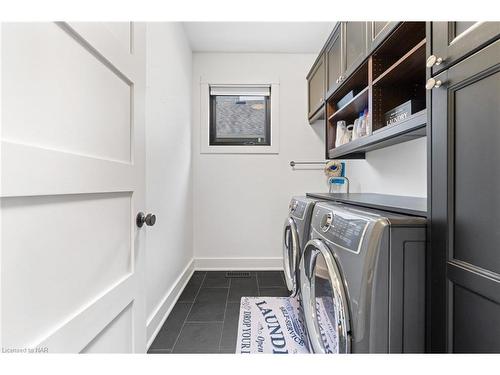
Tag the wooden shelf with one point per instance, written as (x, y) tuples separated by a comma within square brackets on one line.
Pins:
[(318, 115), (411, 128), (352, 108), (406, 68), (357, 80)]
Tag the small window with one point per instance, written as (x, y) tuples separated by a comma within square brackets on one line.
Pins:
[(240, 116)]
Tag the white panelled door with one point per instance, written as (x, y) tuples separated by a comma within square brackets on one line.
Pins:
[(72, 183)]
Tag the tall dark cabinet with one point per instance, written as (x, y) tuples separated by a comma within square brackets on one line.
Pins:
[(464, 269)]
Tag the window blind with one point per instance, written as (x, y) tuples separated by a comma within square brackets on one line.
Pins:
[(240, 90)]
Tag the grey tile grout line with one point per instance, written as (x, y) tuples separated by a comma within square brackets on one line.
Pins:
[(258, 286), (225, 308), (224, 319), (192, 304)]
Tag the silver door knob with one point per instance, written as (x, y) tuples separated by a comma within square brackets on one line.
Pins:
[(433, 60), (337, 80), (433, 83), (148, 219)]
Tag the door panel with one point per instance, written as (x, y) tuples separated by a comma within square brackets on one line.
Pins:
[(482, 335), (96, 257), (464, 230), (123, 31), (316, 87), (452, 41), (378, 31), (72, 183), (334, 61), (120, 331), (477, 136), (378, 27), (42, 59), (354, 45), (461, 27)]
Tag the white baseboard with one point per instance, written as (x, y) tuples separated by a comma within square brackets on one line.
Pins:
[(158, 317), (238, 264)]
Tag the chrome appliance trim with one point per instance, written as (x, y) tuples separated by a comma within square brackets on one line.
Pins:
[(291, 265), (312, 249)]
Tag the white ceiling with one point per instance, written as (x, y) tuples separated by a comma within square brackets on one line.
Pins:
[(277, 37)]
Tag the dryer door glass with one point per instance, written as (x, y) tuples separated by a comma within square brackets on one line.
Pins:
[(326, 312), (291, 253)]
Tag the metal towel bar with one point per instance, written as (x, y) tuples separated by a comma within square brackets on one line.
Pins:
[(294, 163)]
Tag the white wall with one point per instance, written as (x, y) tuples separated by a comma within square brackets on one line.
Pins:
[(169, 182), (241, 200), (398, 170)]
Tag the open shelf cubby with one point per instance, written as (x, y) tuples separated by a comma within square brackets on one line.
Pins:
[(351, 109), (407, 35), (393, 75), (358, 83)]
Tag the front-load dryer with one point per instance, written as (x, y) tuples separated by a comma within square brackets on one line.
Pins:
[(295, 236), (362, 277)]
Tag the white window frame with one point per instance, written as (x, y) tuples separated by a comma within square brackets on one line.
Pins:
[(205, 146)]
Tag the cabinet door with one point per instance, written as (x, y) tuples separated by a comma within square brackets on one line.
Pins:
[(452, 41), (378, 31), (354, 37), (334, 62), (316, 86), (465, 291)]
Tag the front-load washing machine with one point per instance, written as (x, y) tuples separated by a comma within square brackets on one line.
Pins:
[(295, 236), (362, 277)]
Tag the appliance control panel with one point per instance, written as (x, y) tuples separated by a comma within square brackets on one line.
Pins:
[(346, 230), (297, 209)]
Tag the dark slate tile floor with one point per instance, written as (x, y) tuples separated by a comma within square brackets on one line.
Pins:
[(205, 318)]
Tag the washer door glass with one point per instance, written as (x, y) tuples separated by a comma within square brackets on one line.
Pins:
[(291, 254), (324, 300)]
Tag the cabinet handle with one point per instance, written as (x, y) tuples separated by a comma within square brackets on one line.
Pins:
[(433, 83), (433, 60), (337, 80)]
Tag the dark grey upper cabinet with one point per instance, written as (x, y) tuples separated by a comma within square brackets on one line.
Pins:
[(354, 46), (453, 41), (316, 87), (377, 31), (465, 268), (345, 51), (334, 61)]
